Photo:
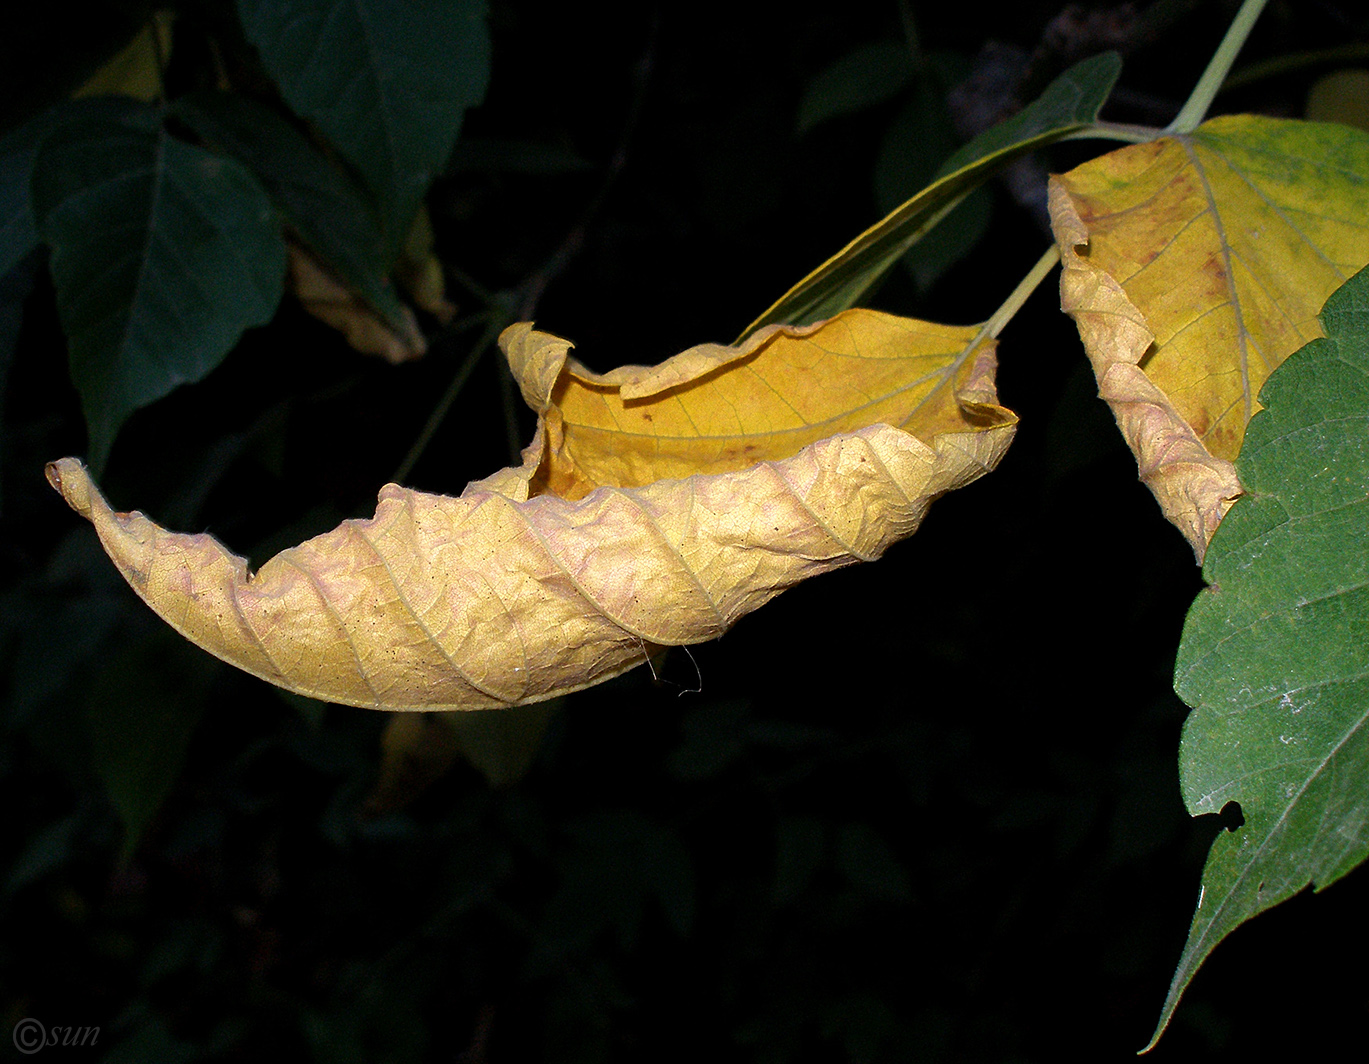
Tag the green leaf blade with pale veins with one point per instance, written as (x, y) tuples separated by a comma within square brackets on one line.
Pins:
[(162, 255), (388, 84), (1275, 653)]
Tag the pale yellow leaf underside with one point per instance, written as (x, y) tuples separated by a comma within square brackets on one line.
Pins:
[(514, 592)]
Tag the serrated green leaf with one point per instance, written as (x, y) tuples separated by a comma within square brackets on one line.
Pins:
[(330, 214), (1070, 103), (162, 254), (388, 84), (1275, 653), (863, 77)]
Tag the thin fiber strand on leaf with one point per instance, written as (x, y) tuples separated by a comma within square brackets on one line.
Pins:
[(517, 591)]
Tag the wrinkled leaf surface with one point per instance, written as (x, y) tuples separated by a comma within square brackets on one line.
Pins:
[(654, 506), (1194, 265), (1275, 653)]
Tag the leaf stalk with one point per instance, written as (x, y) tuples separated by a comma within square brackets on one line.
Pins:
[(1019, 295), (1195, 107), (492, 330)]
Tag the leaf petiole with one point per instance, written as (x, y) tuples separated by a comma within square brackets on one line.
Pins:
[(1123, 131), (492, 330), (1019, 295), (1195, 108)]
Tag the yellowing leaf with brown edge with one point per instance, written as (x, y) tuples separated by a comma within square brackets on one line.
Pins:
[(653, 506), (332, 303), (1194, 265)]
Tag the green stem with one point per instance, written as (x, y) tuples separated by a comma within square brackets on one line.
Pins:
[(492, 330), (1123, 131), (1195, 109), (471, 285), (1010, 306), (1020, 294)]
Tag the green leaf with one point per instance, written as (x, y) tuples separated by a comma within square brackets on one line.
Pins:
[(162, 254), (1070, 103), (17, 233), (387, 83), (865, 858), (910, 155), (15, 286), (865, 76), (18, 150), (1275, 653), (143, 705), (330, 214), (502, 746)]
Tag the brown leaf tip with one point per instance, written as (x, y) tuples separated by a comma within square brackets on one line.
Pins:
[(69, 479)]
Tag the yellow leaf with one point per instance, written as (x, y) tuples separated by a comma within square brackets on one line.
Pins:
[(415, 751), (136, 71), (653, 507), (419, 272), (1193, 265), (327, 299)]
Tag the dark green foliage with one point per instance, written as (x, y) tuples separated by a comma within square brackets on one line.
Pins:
[(1071, 102), (388, 84), (129, 214), (320, 203)]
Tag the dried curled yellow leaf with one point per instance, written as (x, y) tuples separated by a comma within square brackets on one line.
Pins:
[(1193, 265), (654, 506)]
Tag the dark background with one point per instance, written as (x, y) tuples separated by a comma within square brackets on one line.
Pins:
[(926, 809)]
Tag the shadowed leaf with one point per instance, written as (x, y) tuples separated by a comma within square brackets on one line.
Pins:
[(326, 209), (136, 71), (388, 84), (129, 213), (143, 705), (865, 76)]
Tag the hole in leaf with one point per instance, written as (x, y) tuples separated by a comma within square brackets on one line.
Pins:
[(1231, 816)]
